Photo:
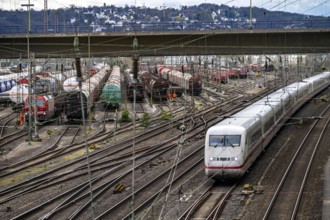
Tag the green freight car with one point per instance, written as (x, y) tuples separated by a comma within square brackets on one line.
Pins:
[(111, 92)]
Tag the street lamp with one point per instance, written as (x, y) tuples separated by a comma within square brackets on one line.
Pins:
[(28, 6)]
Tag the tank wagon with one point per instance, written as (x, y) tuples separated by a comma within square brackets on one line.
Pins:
[(111, 92), (131, 82), (6, 84), (90, 92), (192, 84), (155, 86), (232, 145)]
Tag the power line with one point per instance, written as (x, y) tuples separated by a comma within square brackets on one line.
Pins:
[(314, 7), (277, 5), (288, 4)]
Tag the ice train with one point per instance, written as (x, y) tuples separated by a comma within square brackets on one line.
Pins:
[(232, 145)]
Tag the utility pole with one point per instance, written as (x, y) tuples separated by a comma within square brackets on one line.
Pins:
[(135, 72), (45, 16), (28, 6), (192, 72), (35, 107), (218, 68), (89, 104), (56, 21), (79, 79), (251, 15), (163, 7), (206, 70)]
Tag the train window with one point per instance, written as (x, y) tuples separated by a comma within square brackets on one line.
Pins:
[(233, 140), (268, 124), (216, 140), (256, 136), (40, 102), (279, 113), (224, 140)]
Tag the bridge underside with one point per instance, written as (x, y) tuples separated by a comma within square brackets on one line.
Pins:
[(169, 43)]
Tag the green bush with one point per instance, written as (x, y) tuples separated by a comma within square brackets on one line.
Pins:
[(166, 116), (125, 116), (145, 121)]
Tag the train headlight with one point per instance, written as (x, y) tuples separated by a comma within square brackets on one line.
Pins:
[(234, 158), (212, 158)]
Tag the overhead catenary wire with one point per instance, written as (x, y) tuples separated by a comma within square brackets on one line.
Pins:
[(315, 7)]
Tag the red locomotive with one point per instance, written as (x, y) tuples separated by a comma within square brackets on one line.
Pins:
[(48, 106)]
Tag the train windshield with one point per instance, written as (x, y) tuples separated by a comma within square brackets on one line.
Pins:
[(224, 140), (40, 102)]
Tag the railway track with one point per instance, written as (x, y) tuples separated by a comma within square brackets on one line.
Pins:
[(286, 201), (209, 204), (10, 132), (5, 120), (100, 160), (40, 179), (48, 202)]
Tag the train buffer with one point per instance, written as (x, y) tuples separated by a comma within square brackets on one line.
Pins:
[(119, 188)]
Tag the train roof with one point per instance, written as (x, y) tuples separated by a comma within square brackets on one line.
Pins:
[(323, 75), (252, 113)]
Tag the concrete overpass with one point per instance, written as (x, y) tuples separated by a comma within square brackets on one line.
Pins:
[(280, 41)]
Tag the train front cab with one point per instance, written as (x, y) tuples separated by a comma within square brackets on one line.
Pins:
[(224, 152), (45, 107)]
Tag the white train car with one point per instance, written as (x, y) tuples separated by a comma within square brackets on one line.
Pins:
[(70, 84), (232, 145)]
